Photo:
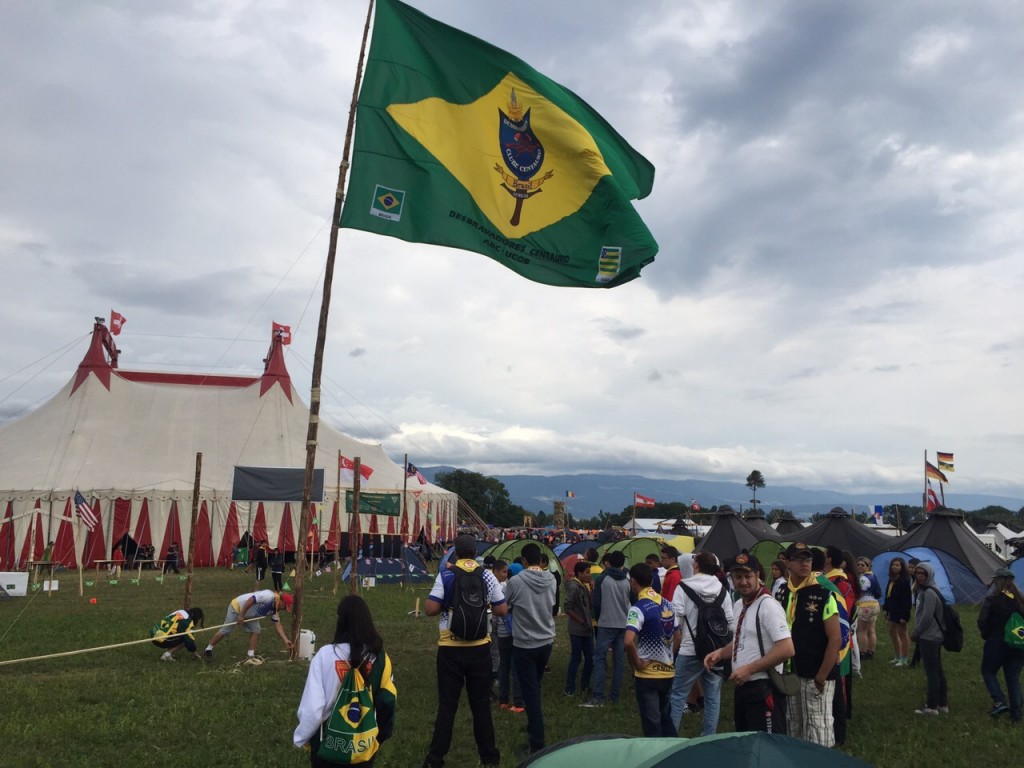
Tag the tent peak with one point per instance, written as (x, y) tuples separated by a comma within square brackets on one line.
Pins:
[(100, 358), (274, 369)]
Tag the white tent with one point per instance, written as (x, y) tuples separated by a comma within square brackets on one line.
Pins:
[(127, 440)]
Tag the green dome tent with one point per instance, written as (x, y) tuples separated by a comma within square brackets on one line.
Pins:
[(722, 750), (635, 549), (510, 550)]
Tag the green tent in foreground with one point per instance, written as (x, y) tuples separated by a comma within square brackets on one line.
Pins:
[(723, 750), (510, 550)]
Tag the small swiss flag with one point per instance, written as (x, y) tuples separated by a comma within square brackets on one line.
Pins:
[(117, 321), (286, 332)]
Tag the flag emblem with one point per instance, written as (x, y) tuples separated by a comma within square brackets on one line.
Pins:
[(387, 203), (608, 263), (523, 155)]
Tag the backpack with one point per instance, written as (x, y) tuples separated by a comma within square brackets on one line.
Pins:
[(712, 630), (349, 735), (467, 618), (1013, 633), (952, 628)]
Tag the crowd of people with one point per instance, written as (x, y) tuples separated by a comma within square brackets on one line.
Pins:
[(790, 638)]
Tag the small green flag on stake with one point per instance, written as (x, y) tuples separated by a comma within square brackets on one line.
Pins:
[(287, 587)]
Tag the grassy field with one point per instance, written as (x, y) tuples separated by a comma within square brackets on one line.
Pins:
[(124, 707)]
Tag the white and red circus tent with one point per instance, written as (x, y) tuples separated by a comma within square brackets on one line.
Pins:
[(127, 441)]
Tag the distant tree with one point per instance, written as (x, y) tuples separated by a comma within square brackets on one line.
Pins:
[(755, 480), (487, 496)]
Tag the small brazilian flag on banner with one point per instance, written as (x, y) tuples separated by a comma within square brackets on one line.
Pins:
[(461, 144)]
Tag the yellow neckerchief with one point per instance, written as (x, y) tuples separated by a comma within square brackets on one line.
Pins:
[(534, 568), (1009, 594), (650, 594), (810, 581), (467, 564), (836, 572)]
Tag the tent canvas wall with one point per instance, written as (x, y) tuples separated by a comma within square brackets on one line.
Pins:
[(127, 440)]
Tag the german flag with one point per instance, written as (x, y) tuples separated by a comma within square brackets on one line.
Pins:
[(930, 470), (945, 461)]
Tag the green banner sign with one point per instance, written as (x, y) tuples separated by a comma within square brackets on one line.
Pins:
[(376, 503)]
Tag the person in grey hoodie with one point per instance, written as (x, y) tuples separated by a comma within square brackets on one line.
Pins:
[(928, 634), (530, 595), (612, 598)]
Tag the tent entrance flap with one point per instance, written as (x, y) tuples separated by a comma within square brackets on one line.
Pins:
[(274, 484)]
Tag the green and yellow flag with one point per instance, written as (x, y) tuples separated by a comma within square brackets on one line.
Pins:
[(459, 143)]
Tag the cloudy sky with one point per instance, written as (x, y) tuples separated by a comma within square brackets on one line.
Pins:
[(839, 202)]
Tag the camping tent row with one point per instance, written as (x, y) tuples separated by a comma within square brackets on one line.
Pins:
[(127, 441), (965, 565)]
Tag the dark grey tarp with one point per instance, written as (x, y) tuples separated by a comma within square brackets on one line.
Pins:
[(275, 484)]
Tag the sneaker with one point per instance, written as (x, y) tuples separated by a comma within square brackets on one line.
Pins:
[(253, 661), (569, 694), (208, 654), (926, 711), (998, 709), (504, 705), (943, 710), (517, 710), (895, 660), (591, 703), (168, 656), (902, 663)]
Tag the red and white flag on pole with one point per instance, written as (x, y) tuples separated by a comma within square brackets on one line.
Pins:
[(643, 501), (117, 321), (932, 501), (286, 332), (348, 470)]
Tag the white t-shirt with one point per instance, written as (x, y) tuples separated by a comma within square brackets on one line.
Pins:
[(770, 614)]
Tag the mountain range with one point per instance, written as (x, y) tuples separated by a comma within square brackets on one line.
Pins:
[(613, 493)]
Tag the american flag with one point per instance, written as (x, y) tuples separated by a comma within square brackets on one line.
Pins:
[(85, 513)]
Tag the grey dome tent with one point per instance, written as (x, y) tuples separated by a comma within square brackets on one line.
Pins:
[(945, 530), (839, 529)]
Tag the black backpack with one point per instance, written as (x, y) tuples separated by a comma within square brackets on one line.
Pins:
[(712, 631), (467, 619), (949, 622)]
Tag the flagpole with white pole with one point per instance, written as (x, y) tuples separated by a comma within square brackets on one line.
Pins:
[(339, 511), (405, 509), (321, 337), (81, 557)]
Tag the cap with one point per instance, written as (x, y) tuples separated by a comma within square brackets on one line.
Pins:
[(1005, 573), (465, 542), (744, 561), (798, 551)]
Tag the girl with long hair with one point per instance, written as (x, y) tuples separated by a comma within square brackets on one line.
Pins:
[(1002, 601), (897, 610), (356, 642), (867, 609)]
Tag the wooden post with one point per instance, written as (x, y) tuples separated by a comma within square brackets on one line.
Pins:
[(321, 336), (192, 532), (354, 534), (402, 513), (339, 511)]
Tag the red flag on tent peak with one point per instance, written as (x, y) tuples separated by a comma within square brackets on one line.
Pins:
[(932, 502), (117, 321), (284, 330), (643, 501)]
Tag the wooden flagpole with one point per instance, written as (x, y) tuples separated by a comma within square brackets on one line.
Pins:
[(405, 493), (321, 338), (81, 557), (924, 493), (192, 531)]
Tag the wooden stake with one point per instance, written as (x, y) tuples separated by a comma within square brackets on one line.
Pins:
[(192, 533)]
